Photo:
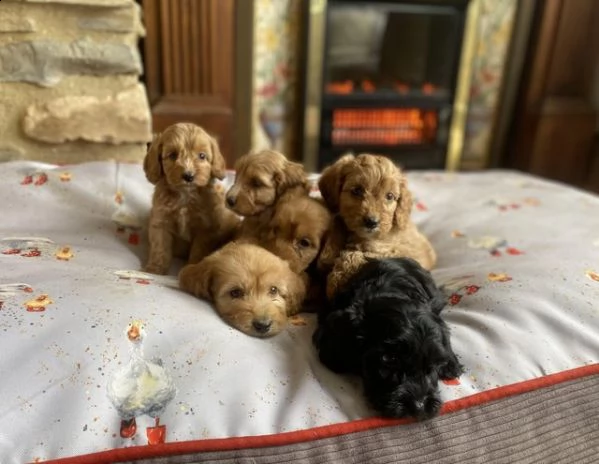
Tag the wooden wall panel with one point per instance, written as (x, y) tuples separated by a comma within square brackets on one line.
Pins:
[(189, 59), (555, 121)]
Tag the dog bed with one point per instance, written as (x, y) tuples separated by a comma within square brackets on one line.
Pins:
[(518, 259)]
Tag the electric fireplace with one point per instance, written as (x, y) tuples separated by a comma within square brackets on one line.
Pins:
[(381, 77)]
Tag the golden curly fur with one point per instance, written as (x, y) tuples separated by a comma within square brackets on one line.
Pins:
[(262, 179), (297, 231), (182, 162), (252, 289), (369, 196)]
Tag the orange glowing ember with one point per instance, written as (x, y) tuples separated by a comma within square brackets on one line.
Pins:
[(348, 86), (384, 126)]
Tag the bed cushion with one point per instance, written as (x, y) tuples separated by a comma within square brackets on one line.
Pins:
[(518, 259)]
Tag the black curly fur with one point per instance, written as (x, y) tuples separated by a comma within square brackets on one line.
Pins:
[(385, 326)]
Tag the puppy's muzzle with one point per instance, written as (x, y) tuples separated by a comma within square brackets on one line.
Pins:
[(187, 176), (261, 326), (370, 222), (231, 201)]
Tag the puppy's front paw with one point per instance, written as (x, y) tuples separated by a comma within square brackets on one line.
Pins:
[(452, 370), (152, 268)]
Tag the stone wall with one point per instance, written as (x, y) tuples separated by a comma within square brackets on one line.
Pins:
[(69, 81)]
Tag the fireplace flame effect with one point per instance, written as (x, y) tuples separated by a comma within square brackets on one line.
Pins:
[(384, 126), (348, 87)]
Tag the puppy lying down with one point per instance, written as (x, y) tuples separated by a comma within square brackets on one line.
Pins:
[(385, 327), (252, 289)]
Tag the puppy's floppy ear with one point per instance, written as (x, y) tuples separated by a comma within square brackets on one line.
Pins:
[(333, 243), (292, 174), (296, 292), (331, 181), (218, 161), (404, 205), (153, 161), (197, 279)]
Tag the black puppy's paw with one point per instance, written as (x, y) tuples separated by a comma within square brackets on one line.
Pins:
[(451, 370)]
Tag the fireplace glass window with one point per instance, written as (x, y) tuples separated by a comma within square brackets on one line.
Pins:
[(404, 48)]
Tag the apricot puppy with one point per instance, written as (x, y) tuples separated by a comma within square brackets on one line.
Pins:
[(261, 179), (370, 197), (188, 212), (252, 289)]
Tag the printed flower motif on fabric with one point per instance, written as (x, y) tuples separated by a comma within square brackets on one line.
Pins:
[(419, 205), (126, 221), (503, 204), (34, 247), (38, 304), (143, 278), (592, 275), (467, 285), (141, 387), (13, 291), (496, 246), (37, 179)]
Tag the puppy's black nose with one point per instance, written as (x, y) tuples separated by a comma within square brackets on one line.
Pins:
[(262, 326), (371, 222), (188, 176), (231, 201)]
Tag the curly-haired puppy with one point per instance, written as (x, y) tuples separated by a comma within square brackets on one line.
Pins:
[(297, 230), (385, 327), (183, 162), (369, 196), (261, 179), (253, 290)]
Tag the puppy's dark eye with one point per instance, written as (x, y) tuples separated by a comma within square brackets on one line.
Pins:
[(202, 155), (256, 183), (273, 291), (357, 191), (304, 243), (172, 155), (236, 293), (390, 196)]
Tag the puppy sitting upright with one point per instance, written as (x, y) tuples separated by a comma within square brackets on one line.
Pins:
[(252, 289), (182, 162), (385, 327), (261, 180), (370, 198)]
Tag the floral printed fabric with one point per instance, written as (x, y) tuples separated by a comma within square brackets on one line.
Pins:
[(518, 258)]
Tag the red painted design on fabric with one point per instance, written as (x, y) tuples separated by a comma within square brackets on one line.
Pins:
[(133, 238), (35, 309), (128, 428), (156, 435), (451, 381), (11, 251), (471, 289), (27, 180), (421, 206), (495, 253), (513, 251), (143, 281), (32, 253), (41, 179), (455, 299)]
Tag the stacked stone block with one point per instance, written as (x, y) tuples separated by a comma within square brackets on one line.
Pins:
[(69, 81)]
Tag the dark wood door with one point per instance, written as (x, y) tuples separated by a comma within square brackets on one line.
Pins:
[(555, 121), (189, 65)]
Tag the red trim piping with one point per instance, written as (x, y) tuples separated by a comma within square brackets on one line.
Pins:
[(317, 433)]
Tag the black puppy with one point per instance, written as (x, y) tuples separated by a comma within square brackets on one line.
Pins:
[(385, 327)]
